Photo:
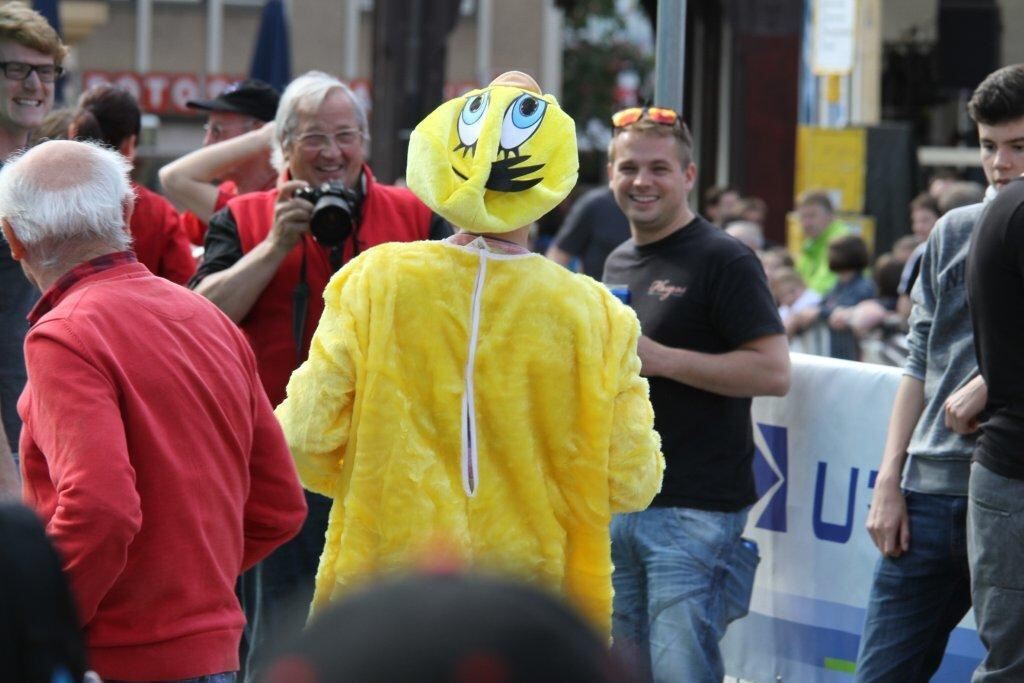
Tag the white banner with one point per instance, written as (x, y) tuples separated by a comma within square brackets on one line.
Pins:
[(818, 450), (834, 32)]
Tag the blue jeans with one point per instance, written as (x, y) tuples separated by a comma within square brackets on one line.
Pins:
[(995, 546), (277, 593), (672, 598), (918, 598), (227, 677)]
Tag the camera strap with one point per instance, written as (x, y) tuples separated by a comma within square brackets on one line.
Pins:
[(300, 295), (336, 257), (355, 236), (300, 306)]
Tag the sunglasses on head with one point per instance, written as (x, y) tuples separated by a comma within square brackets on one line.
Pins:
[(661, 115)]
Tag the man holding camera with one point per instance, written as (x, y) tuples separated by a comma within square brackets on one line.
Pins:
[(261, 257), (265, 269)]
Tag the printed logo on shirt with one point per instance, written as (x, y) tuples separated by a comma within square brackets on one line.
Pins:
[(664, 289)]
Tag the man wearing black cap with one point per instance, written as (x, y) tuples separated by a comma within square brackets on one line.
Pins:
[(239, 108), (190, 181)]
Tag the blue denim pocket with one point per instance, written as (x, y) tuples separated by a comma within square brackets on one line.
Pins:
[(739, 580)]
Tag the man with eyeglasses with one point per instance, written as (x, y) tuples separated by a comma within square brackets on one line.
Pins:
[(711, 340), (192, 181), (30, 56), (263, 267)]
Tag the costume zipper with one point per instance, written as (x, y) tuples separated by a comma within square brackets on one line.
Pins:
[(470, 463)]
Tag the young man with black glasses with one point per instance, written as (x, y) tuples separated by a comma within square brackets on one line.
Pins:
[(712, 339), (30, 58)]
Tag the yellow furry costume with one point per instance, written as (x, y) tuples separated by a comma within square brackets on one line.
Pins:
[(469, 396)]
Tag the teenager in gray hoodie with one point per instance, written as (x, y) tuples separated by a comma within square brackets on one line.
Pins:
[(922, 587)]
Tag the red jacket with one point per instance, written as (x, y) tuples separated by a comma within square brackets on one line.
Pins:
[(389, 214), (150, 451), (159, 240)]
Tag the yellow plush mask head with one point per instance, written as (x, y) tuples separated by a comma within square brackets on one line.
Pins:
[(495, 159)]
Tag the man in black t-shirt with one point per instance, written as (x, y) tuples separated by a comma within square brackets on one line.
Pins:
[(712, 339), (995, 518)]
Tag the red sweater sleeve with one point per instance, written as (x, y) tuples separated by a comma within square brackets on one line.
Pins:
[(81, 433), (276, 507), (176, 262)]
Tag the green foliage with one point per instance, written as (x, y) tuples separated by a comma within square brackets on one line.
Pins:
[(595, 53), (582, 10), (590, 75)]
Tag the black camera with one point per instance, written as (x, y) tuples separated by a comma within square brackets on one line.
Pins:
[(334, 212)]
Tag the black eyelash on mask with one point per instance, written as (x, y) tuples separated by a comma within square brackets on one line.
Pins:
[(470, 149)]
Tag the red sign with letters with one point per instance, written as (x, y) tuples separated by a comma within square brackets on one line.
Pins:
[(162, 93), (167, 93)]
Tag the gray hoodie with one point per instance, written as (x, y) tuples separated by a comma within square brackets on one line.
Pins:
[(941, 342)]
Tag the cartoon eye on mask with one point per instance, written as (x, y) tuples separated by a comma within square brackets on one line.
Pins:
[(520, 121), (522, 118), (471, 121)]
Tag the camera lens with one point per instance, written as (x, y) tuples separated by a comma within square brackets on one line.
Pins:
[(331, 222)]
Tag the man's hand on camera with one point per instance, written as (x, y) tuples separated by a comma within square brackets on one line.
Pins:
[(291, 216)]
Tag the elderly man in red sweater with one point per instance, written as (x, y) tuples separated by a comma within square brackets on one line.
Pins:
[(149, 447)]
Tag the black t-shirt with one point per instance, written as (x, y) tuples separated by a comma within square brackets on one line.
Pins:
[(995, 290), (594, 227), (17, 297), (702, 290)]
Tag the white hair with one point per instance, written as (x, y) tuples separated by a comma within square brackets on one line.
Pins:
[(59, 199), (748, 232), (305, 94)]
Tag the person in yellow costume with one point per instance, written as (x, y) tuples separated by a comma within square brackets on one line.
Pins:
[(469, 394)]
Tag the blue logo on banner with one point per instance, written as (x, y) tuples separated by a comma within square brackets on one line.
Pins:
[(770, 476)]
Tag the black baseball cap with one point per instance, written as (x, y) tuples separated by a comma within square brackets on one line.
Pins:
[(251, 97)]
